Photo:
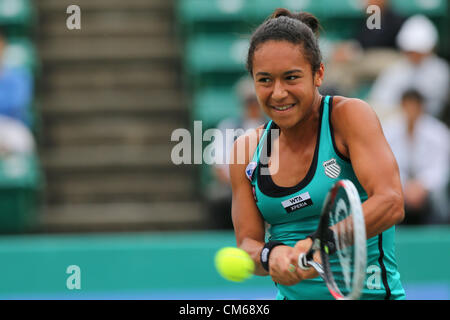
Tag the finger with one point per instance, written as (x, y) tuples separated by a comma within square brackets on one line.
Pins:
[(294, 275), (293, 257), (287, 281), (307, 274), (287, 275)]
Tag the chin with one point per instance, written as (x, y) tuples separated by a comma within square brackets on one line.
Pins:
[(285, 123)]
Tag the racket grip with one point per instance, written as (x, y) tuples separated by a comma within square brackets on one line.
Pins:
[(303, 262)]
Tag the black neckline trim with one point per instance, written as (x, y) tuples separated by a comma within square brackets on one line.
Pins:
[(336, 150), (265, 182)]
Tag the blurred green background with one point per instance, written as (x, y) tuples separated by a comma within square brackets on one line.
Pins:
[(100, 191)]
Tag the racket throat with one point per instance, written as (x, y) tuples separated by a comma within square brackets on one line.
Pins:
[(303, 261)]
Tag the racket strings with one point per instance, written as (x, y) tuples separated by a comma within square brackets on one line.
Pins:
[(342, 223), (344, 269)]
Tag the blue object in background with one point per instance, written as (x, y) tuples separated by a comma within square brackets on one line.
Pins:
[(16, 93)]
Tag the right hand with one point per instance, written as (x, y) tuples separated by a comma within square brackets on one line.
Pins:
[(279, 261), (282, 257)]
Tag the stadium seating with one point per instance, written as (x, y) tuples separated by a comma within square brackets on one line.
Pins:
[(214, 104), (20, 185), (431, 8), (218, 53), (213, 65), (17, 15), (217, 11)]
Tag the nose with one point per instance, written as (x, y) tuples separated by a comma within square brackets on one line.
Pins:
[(279, 92)]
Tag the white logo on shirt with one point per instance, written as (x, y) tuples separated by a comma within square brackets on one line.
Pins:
[(332, 169)]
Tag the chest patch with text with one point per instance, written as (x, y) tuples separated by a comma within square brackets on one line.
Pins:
[(298, 202)]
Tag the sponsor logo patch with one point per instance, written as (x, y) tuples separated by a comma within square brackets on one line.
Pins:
[(298, 202), (332, 169), (250, 170)]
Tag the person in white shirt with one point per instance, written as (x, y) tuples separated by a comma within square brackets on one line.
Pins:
[(15, 137), (421, 145), (420, 68)]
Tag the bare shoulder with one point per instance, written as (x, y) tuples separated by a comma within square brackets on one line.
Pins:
[(344, 105), (352, 112)]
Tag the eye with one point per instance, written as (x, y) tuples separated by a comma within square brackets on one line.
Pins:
[(264, 80), (292, 77)]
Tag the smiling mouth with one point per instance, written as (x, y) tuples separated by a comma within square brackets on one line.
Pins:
[(284, 108)]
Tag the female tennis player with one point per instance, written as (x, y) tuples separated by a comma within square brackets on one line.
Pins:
[(321, 139)]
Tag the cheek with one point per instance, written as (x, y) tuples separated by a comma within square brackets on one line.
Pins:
[(300, 90), (262, 94)]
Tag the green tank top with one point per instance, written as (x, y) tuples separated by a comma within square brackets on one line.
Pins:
[(293, 212)]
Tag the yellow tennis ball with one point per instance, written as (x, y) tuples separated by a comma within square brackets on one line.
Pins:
[(234, 264)]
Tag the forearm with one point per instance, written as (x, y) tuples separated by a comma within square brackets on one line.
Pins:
[(254, 248)]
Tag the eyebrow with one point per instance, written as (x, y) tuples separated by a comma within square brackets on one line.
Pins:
[(285, 73)]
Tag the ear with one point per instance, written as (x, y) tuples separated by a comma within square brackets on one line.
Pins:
[(318, 76)]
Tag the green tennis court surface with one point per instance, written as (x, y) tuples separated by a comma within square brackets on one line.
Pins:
[(177, 265)]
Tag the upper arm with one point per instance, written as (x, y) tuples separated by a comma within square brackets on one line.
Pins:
[(247, 220), (369, 152)]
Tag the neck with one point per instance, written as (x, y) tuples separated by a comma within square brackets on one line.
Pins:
[(411, 127), (304, 130)]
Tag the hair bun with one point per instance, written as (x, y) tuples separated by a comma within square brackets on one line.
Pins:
[(310, 20), (307, 18), (281, 12)]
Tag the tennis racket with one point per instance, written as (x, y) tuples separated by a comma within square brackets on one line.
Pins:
[(341, 240)]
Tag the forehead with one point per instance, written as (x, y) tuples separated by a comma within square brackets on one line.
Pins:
[(279, 56)]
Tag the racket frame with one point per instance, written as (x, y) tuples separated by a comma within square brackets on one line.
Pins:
[(305, 260)]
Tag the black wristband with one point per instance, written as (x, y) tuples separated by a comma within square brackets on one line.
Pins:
[(265, 252), (313, 236)]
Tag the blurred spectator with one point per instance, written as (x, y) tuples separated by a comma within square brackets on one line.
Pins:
[(15, 137), (16, 87), (420, 68), (219, 191), (362, 58), (421, 145)]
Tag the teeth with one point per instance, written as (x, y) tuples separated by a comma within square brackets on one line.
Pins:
[(284, 107)]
